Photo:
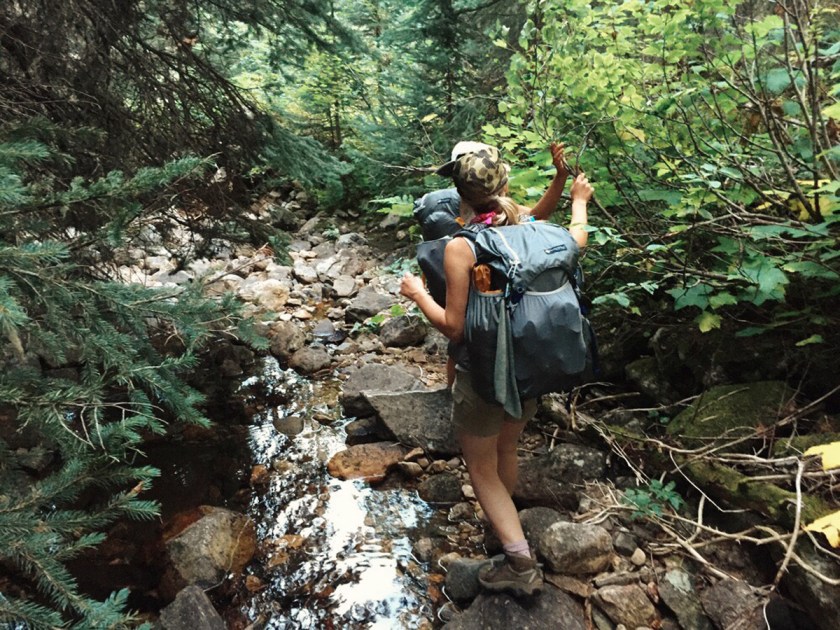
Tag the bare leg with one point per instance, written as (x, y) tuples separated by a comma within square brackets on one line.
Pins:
[(508, 463), (481, 457), (450, 371)]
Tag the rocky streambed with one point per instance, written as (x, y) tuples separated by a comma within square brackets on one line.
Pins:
[(335, 496)]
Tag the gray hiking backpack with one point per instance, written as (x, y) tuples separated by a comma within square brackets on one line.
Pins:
[(528, 337), (436, 213)]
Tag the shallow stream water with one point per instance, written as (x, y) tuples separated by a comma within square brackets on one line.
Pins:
[(336, 554)]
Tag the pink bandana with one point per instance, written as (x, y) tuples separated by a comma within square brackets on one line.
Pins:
[(486, 218)]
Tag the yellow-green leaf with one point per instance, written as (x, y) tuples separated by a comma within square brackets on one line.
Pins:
[(708, 321), (829, 526), (830, 454), (428, 117)]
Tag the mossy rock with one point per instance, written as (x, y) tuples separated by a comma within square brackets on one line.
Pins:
[(798, 444), (728, 412)]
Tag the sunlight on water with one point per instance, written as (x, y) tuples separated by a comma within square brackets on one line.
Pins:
[(338, 552)]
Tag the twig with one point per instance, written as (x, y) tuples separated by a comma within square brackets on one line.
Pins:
[(783, 567)]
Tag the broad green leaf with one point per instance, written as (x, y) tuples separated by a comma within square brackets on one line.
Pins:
[(698, 296), (777, 80), (832, 111), (722, 299), (810, 269)]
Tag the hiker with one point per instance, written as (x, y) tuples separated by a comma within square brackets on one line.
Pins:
[(438, 212), (487, 435)]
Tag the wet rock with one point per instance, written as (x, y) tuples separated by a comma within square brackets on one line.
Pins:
[(191, 609), (538, 519), (218, 543), (627, 604), (344, 286), (423, 549), (260, 475), (374, 377), (365, 461), (552, 609), (366, 304), (285, 338), (310, 359), (289, 425), (678, 593), (418, 418), (733, 604), (366, 430), (403, 331), (461, 512), (551, 479), (576, 548), (444, 488), (462, 578), (411, 470)]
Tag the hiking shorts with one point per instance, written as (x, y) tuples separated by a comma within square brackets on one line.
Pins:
[(473, 415)]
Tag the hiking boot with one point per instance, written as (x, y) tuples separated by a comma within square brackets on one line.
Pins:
[(518, 575)]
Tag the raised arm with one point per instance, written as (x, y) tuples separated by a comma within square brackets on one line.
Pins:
[(581, 193), (548, 202)]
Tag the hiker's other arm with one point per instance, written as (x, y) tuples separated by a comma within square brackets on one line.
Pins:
[(457, 263), (548, 202), (581, 193)]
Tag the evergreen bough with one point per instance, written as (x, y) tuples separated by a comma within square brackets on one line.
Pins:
[(126, 347)]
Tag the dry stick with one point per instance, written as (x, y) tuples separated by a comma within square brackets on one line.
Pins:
[(783, 567)]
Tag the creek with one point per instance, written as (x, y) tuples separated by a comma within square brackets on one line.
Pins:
[(334, 553)]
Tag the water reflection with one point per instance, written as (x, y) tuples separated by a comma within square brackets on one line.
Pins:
[(337, 553)]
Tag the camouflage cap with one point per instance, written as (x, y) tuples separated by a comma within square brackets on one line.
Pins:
[(478, 174)]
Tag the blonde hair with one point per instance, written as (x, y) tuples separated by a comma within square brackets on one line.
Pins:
[(504, 209)]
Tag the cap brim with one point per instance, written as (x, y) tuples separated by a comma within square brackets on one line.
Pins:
[(447, 169)]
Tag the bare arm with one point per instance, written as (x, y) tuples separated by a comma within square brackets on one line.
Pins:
[(581, 193), (457, 264), (548, 202)]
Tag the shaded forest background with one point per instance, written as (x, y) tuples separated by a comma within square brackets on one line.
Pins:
[(711, 130)]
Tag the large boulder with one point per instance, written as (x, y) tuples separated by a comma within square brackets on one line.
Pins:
[(418, 418), (728, 412), (218, 543), (554, 479), (576, 548), (374, 377), (365, 461), (626, 604), (191, 609), (366, 304), (678, 593), (310, 359), (403, 331), (734, 604), (285, 338), (551, 610)]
